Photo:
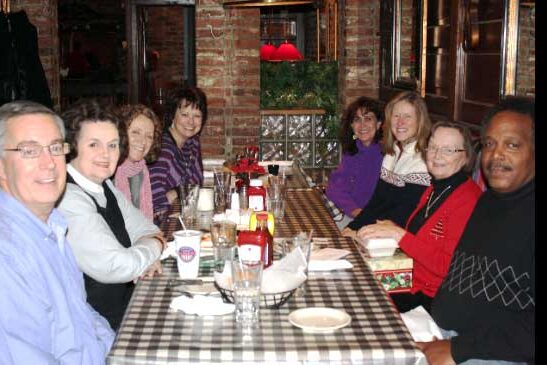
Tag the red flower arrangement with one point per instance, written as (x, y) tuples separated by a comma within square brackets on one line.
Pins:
[(246, 166)]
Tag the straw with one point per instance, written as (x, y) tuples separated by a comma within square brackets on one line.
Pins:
[(181, 222)]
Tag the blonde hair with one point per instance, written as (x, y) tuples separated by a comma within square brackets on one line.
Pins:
[(422, 116)]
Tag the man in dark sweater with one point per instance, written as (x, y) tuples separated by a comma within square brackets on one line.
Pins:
[(486, 304)]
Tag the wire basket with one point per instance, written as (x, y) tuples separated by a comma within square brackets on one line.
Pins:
[(272, 301)]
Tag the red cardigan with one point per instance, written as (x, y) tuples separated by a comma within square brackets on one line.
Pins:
[(433, 245)]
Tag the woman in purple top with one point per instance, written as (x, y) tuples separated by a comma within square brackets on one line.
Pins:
[(179, 161), (351, 185)]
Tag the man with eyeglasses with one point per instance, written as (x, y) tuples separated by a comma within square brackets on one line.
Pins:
[(44, 316), (486, 303)]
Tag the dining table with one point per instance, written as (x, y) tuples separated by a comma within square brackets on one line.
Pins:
[(153, 333)]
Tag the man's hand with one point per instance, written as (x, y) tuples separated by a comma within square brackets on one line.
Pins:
[(354, 213), (437, 352)]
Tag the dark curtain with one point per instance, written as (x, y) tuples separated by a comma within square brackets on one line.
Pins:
[(21, 72)]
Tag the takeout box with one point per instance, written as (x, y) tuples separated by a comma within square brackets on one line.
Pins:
[(393, 272)]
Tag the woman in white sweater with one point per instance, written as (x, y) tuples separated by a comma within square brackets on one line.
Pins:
[(114, 244)]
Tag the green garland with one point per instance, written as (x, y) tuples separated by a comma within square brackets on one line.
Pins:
[(301, 85)]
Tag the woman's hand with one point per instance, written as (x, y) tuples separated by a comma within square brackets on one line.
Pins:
[(172, 195), (382, 229), (348, 232), (354, 213), (152, 270)]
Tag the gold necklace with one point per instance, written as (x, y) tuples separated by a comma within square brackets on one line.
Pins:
[(429, 204)]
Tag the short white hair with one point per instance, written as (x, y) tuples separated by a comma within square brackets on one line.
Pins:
[(24, 107)]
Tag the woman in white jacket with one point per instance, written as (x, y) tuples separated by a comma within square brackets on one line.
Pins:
[(114, 244)]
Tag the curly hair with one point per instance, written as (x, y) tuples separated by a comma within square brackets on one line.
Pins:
[(128, 113), (346, 132), (183, 97), (424, 123), (90, 111)]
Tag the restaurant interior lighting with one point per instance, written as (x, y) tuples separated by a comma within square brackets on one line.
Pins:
[(266, 51), (286, 52)]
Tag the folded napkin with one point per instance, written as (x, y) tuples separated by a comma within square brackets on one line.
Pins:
[(202, 305), (328, 265), (420, 325), (328, 253), (328, 259), (379, 247), (283, 275)]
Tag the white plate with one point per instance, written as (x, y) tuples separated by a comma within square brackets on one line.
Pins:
[(319, 319)]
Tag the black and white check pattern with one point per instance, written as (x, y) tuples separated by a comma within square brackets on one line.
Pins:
[(151, 333)]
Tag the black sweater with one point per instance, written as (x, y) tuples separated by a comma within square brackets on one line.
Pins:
[(488, 295)]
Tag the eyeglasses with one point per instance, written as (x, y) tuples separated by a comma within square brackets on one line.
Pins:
[(34, 150), (445, 151)]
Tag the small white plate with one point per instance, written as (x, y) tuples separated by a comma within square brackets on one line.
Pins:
[(319, 319)]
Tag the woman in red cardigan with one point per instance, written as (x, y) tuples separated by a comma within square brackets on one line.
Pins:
[(435, 226)]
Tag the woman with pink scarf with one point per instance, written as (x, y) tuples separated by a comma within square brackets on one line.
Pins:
[(143, 130)]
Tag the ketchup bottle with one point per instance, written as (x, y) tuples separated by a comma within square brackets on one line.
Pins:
[(258, 244), (257, 195)]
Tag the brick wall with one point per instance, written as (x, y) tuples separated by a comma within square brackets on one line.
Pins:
[(165, 35), (228, 70), (359, 58), (43, 14)]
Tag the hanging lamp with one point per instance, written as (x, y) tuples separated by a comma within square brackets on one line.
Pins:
[(286, 52), (266, 51)]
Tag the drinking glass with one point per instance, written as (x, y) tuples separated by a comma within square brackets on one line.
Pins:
[(302, 242), (223, 236), (188, 194), (276, 206), (246, 281), (221, 189)]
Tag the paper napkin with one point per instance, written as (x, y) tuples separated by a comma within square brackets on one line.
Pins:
[(202, 305), (420, 325)]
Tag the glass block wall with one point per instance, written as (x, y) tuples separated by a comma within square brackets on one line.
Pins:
[(298, 135)]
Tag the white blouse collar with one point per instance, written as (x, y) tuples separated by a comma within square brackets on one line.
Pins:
[(83, 181)]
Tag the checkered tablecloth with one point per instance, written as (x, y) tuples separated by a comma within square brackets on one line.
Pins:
[(151, 333)]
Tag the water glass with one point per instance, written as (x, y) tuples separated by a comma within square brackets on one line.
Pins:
[(246, 282), (221, 190), (304, 244), (276, 206), (188, 194), (223, 236)]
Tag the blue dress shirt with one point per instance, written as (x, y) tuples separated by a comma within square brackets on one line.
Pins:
[(44, 316)]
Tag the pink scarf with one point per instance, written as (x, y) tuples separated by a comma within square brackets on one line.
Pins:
[(128, 169)]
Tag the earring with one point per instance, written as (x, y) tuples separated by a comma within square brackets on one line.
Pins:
[(354, 137)]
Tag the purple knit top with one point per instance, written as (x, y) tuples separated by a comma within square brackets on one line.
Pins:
[(173, 167), (352, 184)]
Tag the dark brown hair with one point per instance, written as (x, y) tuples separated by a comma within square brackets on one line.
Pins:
[(89, 111), (183, 97), (346, 132), (128, 113)]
